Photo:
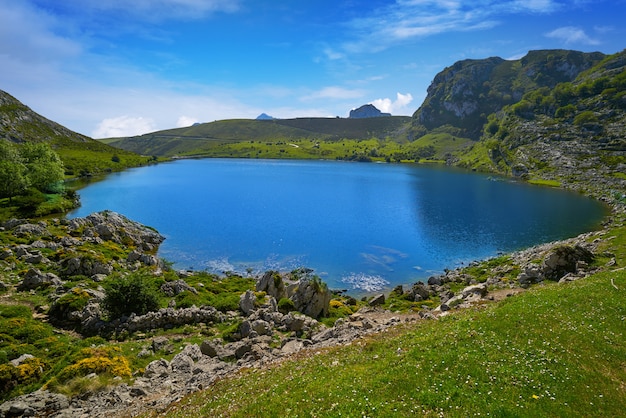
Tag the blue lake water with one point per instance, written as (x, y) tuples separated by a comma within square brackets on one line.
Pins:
[(362, 227)]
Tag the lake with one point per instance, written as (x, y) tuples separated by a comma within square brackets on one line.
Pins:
[(361, 226)]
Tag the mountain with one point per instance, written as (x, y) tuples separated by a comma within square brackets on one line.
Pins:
[(81, 155), (464, 94), (573, 133), (264, 116), (367, 111), (196, 140)]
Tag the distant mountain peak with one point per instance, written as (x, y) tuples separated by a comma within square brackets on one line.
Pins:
[(264, 116), (367, 111)]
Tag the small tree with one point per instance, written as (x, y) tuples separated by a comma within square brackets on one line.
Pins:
[(129, 294), (43, 166), (13, 178)]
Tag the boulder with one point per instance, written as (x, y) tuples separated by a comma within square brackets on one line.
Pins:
[(211, 348), (84, 266), (246, 302), (292, 346), (39, 403), (377, 300), (177, 286), (565, 259), (34, 278), (272, 283), (311, 297)]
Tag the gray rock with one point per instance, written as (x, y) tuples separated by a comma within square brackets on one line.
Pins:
[(210, 348), (160, 343), (34, 278), (176, 287), (435, 281), (157, 368), (21, 359), (377, 300), (293, 322), (5, 253), (292, 346), (38, 403), (247, 301)]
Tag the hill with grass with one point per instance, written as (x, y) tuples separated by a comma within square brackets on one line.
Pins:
[(203, 139), (464, 94), (80, 154), (573, 134)]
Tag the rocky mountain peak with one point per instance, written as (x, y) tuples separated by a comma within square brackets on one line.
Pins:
[(367, 111)]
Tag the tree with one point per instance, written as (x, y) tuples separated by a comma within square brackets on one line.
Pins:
[(13, 178), (129, 294), (43, 166)]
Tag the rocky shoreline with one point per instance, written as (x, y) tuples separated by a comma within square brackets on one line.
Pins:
[(265, 335)]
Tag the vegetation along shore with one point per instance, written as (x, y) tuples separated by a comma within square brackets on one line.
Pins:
[(93, 323)]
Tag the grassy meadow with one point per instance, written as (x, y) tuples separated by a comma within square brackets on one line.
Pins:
[(555, 350)]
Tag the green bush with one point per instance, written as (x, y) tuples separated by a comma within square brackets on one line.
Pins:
[(285, 305), (585, 117), (75, 300), (129, 294)]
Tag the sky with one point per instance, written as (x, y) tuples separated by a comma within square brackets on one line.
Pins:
[(108, 68)]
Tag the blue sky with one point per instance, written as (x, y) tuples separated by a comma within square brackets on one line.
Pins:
[(120, 67)]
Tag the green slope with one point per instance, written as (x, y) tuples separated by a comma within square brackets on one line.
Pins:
[(81, 155), (556, 350), (202, 139)]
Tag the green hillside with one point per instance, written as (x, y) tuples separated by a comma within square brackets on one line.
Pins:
[(81, 155), (573, 134), (203, 139), (464, 94)]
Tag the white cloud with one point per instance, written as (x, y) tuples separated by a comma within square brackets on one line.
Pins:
[(572, 35), (396, 106), (123, 126), (405, 20), (185, 121)]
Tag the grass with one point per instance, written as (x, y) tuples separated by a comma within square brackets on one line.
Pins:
[(544, 182), (556, 350)]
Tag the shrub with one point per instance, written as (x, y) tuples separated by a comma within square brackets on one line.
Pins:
[(129, 294), (585, 117), (285, 305), (75, 300)]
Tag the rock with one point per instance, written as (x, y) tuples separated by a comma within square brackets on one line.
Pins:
[(479, 289), (21, 359), (532, 274), (160, 343), (377, 300), (246, 302), (565, 259), (177, 286), (27, 229), (292, 346), (84, 266), (157, 368), (421, 291), (435, 281), (261, 327), (272, 283), (293, 322), (39, 403), (211, 348), (311, 297), (367, 111), (34, 278), (5, 253), (242, 348)]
